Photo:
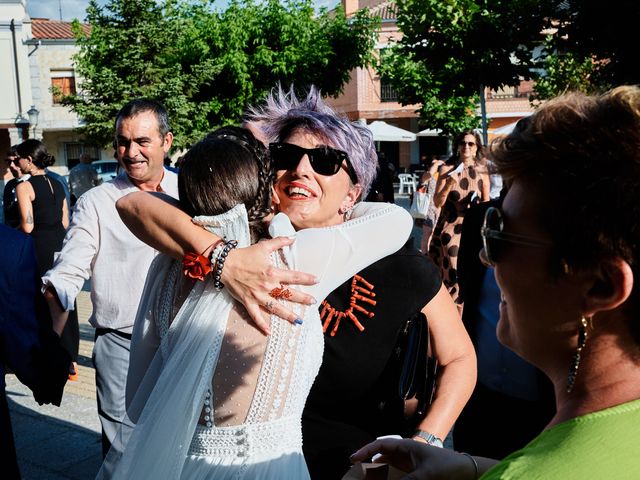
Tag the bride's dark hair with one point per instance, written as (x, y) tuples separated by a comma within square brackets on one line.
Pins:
[(229, 166)]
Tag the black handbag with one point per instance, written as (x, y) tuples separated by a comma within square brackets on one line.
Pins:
[(418, 367)]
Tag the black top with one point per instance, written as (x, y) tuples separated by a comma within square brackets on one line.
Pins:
[(343, 411), (48, 231)]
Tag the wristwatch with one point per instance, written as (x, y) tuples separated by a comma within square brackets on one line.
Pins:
[(430, 438)]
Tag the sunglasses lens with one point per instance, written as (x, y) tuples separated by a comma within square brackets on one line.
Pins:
[(325, 161), (285, 156), (493, 224)]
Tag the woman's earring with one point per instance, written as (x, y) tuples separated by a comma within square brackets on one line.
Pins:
[(575, 363), (346, 212)]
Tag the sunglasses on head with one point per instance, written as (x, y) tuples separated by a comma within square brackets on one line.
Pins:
[(468, 144), (494, 238), (324, 160)]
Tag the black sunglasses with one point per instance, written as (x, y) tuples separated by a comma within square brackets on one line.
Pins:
[(493, 237), (324, 160), (468, 144)]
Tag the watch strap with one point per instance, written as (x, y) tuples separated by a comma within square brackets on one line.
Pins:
[(428, 437)]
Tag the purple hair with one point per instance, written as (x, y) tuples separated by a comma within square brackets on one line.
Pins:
[(283, 113)]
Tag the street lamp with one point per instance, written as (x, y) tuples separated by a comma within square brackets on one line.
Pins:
[(22, 124), (33, 113)]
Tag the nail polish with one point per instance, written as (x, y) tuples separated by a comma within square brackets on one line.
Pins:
[(298, 321)]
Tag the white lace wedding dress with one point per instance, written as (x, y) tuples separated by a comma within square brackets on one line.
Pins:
[(209, 396)]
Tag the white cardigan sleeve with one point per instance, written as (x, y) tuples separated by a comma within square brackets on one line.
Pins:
[(336, 253)]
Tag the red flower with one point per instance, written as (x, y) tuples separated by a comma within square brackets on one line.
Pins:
[(196, 266)]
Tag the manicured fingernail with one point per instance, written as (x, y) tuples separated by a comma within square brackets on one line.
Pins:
[(313, 301), (298, 321)]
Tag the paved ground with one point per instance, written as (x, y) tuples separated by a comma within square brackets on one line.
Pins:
[(64, 443)]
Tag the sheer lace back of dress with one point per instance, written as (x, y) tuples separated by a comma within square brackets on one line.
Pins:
[(252, 381), (254, 378)]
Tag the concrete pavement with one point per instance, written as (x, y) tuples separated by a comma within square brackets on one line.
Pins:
[(60, 443)]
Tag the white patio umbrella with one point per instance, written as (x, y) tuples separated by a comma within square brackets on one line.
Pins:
[(384, 132), (429, 132)]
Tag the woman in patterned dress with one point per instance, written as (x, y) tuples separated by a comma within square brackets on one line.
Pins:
[(463, 180)]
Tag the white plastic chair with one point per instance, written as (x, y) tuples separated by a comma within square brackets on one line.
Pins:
[(406, 180)]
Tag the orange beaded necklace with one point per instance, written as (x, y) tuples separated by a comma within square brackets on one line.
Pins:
[(358, 293)]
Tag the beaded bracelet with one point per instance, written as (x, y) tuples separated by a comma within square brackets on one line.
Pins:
[(215, 251), (217, 273), (475, 463)]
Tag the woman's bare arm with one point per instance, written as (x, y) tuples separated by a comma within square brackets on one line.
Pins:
[(65, 214), (457, 364), (248, 273), (25, 195), (443, 186), (156, 220)]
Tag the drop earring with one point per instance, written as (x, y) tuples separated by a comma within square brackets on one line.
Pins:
[(583, 334)]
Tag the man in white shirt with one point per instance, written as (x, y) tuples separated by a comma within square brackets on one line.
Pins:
[(100, 247)]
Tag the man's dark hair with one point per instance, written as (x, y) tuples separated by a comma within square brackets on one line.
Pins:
[(141, 105)]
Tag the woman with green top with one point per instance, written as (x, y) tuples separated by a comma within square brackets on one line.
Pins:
[(566, 251)]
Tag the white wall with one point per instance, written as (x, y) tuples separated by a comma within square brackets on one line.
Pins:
[(14, 10)]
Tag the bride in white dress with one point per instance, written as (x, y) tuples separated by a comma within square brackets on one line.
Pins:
[(211, 396)]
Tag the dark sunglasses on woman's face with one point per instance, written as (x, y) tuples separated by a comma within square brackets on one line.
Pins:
[(324, 160), (468, 144), (493, 237)]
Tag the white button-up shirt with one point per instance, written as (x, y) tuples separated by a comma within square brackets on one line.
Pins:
[(99, 246)]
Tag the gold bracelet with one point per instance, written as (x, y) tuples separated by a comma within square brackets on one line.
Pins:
[(475, 464)]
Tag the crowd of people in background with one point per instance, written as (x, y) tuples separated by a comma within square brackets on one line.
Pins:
[(268, 318)]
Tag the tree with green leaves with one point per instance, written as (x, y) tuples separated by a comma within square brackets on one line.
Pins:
[(562, 73), (451, 49), (207, 65), (590, 48)]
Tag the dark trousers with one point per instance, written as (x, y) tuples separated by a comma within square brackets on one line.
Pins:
[(8, 460)]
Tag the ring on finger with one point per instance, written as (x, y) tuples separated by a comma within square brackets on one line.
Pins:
[(280, 292)]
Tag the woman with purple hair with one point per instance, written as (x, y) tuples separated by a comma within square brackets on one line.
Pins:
[(315, 151)]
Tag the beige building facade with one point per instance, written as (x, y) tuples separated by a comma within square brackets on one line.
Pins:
[(38, 58)]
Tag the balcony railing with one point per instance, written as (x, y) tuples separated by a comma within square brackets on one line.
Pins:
[(508, 95)]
